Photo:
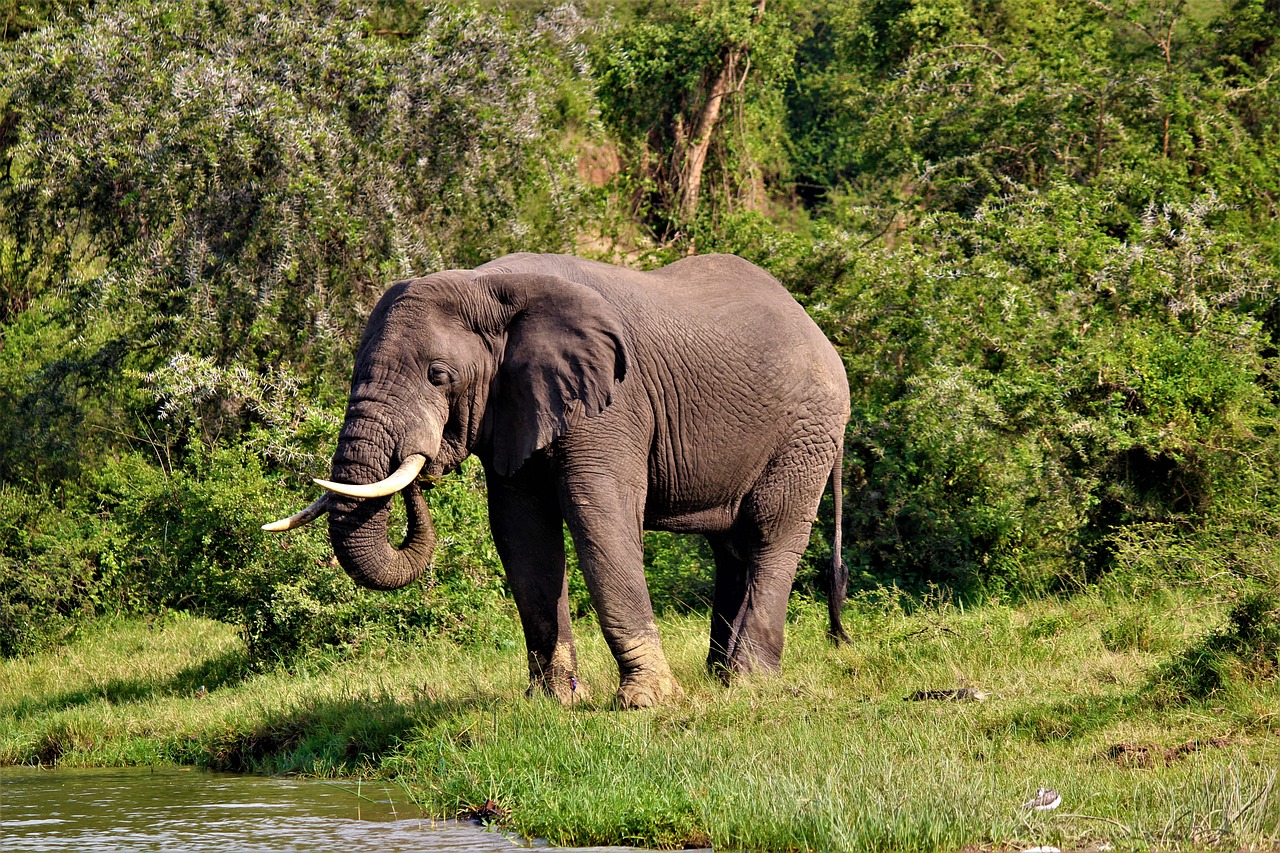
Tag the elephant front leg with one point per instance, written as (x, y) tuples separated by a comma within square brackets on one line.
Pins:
[(606, 533), (527, 530), (553, 658)]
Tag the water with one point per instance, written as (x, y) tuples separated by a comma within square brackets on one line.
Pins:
[(191, 811)]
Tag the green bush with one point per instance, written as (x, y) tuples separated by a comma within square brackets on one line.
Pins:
[(199, 203), (1246, 648), (680, 570), (189, 539), (55, 570), (238, 182), (194, 537), (1041, 235), (1034, 398)]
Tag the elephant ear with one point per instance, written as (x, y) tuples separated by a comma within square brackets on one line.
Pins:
[(564, 351)]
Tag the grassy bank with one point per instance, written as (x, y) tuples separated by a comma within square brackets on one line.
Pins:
[(1083, 696)]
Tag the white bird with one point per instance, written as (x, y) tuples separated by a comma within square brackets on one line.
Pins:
[(1046, 799)]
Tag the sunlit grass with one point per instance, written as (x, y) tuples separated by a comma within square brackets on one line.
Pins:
[(828, 756)]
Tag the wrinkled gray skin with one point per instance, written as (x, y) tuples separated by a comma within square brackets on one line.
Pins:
[(695, 398)]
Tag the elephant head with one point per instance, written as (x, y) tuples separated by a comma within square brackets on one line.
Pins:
[(499, 364)]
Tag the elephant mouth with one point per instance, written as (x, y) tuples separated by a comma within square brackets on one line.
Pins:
[(358, 527), (359, 512)]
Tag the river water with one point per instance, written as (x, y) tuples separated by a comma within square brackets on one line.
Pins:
[(192, 811)]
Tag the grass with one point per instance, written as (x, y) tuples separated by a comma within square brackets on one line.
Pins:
[(828, 756)]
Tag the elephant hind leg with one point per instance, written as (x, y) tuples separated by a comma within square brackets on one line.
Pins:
[(756, 563), (749, 610), (726, 604)]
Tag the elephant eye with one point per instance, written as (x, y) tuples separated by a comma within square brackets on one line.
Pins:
[(439, 374)]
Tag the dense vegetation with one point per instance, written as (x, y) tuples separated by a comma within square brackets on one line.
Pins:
[(1043, 234)]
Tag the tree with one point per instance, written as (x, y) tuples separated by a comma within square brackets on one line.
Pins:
[(670, 80), (238, 182)]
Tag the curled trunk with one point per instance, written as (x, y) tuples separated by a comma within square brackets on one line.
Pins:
[(358, 531)]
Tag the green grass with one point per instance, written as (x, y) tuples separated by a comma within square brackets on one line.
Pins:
[(828, 756)]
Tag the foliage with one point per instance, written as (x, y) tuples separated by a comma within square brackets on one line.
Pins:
[(196, 537), (50, 576), (199, 203), (1030, 391), (1245, 648), (189, 539), (658, 71), (939, 104), (680, 570), (1043, 236), (238, 182)]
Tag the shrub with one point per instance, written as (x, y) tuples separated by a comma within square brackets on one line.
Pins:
[(1033, 396), (195, 544), (680, 570), (56, 570), (1246, 648), (189, 539), (238, 182)]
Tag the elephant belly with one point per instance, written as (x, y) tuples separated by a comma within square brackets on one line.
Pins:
[(717, 519), (709, 454), (699, 486)]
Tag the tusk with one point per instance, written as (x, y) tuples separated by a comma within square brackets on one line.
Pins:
[(403, 476), (308, 515)]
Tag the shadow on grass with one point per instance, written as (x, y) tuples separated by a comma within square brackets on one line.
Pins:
[(353, 736), (326, 737), (218, 671)]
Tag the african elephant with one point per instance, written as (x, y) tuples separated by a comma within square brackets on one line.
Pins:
[(694, 398)]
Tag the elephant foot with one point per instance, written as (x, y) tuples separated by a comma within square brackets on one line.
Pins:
[(557, 678), (744, 658), (566, 689), (647, 688)]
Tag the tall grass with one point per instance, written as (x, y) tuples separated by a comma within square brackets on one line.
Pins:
[(828, 756)]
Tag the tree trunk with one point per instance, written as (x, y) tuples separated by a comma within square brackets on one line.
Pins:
[(692, 156), (700, 140)]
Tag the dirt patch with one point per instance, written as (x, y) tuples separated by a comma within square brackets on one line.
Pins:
[(489, 812), (599, 164), (1132, 754)]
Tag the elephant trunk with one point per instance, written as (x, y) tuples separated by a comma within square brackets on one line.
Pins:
[(358, 530)]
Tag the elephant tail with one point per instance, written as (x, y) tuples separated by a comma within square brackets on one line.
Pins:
[(838, 579)]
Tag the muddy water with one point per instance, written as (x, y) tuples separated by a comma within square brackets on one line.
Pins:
[(190, 811)]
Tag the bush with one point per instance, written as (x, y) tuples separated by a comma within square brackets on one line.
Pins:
[(199, 203), (238, 183), (196, 545), (1246, 648), (1044, 245), (680, 570), (1033, 396), (56, 570), (189, 540)]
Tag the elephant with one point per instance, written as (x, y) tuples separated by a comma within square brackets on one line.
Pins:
[(694, 398)]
